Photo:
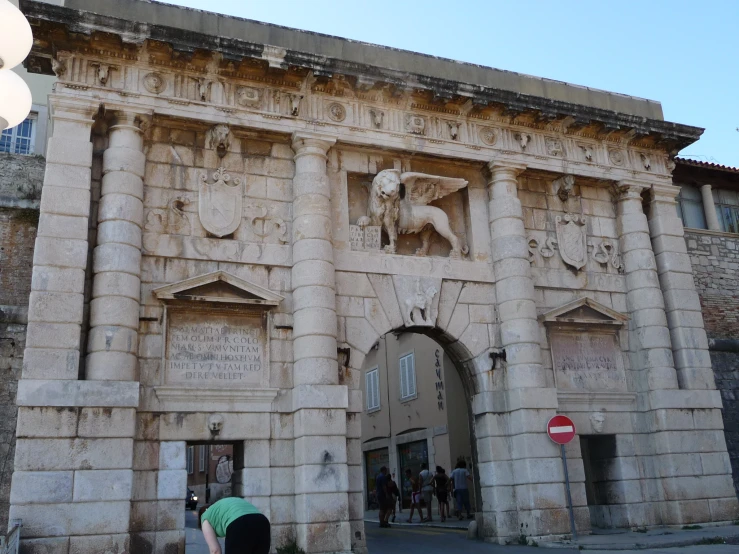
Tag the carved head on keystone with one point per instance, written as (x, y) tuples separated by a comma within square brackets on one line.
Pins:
[(215, 424), (219, 139), (597, 420)]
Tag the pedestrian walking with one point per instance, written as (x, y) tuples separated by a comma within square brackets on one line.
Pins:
[(246, 529), (460, 476), (412, 485), (383, 496), (441, 485), (427, 491)]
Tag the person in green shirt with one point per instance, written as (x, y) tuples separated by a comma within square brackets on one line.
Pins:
[(246, 529)]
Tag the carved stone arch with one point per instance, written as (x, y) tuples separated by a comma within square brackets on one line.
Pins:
[(368, 307), (372, 305)]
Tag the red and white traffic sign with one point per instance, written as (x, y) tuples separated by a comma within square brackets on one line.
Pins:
[(561, 429)]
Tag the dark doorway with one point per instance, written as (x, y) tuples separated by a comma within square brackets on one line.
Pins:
[(373, 461), (411, 455), (599, 463)]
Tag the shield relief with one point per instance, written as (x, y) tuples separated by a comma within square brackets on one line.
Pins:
[(572, 239), (220, 203)]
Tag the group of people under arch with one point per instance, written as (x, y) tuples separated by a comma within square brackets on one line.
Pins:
[(425, 487)]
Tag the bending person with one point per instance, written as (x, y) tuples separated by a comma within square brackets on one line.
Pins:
[(246, 529)]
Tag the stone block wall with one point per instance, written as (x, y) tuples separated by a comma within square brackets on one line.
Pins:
[(715, 259), (20, 187)]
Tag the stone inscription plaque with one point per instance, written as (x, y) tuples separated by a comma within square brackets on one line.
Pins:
[(215, 350), (588, 361)]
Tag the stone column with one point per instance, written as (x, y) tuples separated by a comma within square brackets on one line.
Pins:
[(649, 339), (710, 208), (520, 469), (684, 317), (684, 469), (514, 286), (318, 401), (74, 437), (60, 255), (116, 290)]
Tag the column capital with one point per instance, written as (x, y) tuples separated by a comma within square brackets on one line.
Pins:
[(506, 165), (138, 119), (664, 193), (306, 142), (629, 189), (71, 109)]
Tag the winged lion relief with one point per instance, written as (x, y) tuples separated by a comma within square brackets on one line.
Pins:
[(399, 204)]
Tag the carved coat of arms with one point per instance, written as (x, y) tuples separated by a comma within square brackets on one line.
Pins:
[(220, 203), (572, 239)]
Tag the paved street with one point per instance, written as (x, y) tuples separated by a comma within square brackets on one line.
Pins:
[(399, 540), (405, 539)]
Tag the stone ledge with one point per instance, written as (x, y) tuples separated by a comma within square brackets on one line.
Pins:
[(514, 399), (578, 401), (683, 399), (188, 399), (68, 393)]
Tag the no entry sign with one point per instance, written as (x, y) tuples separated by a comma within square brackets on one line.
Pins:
[(561, 429)]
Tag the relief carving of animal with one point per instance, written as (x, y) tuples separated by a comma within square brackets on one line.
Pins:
[(419, 306), (398, 203)]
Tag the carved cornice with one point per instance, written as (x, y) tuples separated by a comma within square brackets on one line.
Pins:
[(224, 61)]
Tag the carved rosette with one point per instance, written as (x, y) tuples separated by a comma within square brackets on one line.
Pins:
[(154, 83), (336, 112), (488, 135)]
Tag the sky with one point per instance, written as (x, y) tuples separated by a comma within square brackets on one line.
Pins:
[(682, 54)]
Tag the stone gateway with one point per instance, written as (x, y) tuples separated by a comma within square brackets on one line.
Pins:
[(229, 224)]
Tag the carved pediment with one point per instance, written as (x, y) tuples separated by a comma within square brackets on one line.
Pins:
[(220, 287), (584, 311)]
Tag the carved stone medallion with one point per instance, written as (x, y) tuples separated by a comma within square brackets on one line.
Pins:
[(415, 124), (154, 83), (488, 135), (248, 96), (572, 239), (554, 146), (220, 203), (616, 157), (336, 112)]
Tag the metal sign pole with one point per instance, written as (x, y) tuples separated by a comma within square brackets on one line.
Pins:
[(569, 494)]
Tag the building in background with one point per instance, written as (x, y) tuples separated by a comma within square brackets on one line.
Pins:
[(209, 470), (709, 208), (415, 411), (29, 138), (21, 176)]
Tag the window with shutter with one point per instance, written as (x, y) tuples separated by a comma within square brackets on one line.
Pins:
[(373, 389), (203, 458), (190, 459), (407, 377)]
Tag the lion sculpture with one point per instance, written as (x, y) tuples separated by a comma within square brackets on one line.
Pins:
[(398, 203)]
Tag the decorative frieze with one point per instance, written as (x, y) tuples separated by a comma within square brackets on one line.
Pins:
[(231, 91)]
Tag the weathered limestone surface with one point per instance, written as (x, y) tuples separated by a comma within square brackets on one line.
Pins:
[(260, 225), (20, 189)]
